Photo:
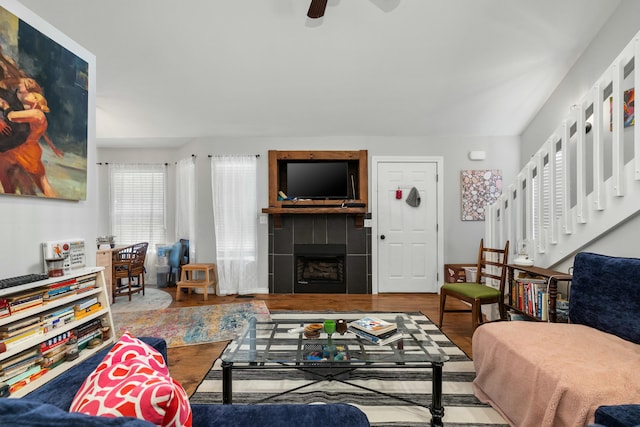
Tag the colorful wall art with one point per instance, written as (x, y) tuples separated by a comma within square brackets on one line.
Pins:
[(628, 109), (44, 103), (479, 189)]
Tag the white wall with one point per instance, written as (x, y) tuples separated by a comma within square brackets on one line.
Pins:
[(461, 237), (26, 222), (614, 36)]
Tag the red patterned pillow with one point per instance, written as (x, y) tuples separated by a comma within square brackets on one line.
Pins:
[(133, 381)]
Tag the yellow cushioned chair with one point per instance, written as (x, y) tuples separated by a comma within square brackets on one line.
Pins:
[(491, 267)]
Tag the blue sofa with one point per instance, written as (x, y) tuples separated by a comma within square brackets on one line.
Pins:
[(48, 406), (556, 374)]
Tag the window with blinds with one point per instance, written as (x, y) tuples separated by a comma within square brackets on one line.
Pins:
[(138, 203)]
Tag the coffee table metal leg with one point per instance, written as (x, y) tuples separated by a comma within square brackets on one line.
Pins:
[(226, 382), (436, 408)]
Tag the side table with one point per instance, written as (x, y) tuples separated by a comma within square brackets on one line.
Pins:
[(189, 278)]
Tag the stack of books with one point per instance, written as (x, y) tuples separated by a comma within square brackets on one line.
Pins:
[(375, 330), (22, 301), (86, 307), (13, 334)]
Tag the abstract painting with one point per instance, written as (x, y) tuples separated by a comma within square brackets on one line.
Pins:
[(44, 101), (479, 189), (628, 108)]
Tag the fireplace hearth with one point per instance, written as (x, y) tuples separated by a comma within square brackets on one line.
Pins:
[(319, 268), (316, 253)]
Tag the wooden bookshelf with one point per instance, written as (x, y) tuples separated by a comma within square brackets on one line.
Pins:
[(51, 331), (551, 278)]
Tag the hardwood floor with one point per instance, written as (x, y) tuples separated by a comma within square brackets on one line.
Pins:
[(188, 365)]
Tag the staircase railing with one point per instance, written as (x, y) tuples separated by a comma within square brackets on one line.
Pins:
[(585, 178)]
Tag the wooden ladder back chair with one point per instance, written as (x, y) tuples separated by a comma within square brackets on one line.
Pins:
[(120, 267), (128, 270), (137, 264), (491, 267)]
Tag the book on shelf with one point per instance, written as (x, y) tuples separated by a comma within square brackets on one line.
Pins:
[(25, 301), (61, 284), (4, 308), (383, 339), (19, 358), (84, 304), (13, 333), (58, 318), (19, 324), (19, 367), (20, 338), (16, 383), (53, 358), (60, 292), (373, 325), (530, 296), (54, 342), (88, 281), (81, 314)]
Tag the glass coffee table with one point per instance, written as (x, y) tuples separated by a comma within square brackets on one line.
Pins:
[(280, 343)]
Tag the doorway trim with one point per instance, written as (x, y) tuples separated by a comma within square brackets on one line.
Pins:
[(375, 160)]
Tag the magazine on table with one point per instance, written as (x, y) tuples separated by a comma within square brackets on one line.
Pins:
[(383, 339), (373, 325)]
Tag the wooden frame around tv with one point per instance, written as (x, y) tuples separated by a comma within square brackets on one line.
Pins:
[(277, 159)]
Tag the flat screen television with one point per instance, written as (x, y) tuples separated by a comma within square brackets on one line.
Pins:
[(318, 180)]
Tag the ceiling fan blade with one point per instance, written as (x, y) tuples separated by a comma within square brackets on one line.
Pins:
[(316, 8)]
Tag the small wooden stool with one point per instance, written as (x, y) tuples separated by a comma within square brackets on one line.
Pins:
[(189, 281)]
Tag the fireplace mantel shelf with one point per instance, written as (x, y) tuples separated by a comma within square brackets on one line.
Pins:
[(277, 212), (314, 210)]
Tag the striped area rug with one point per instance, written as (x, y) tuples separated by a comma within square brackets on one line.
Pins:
[(461, 406)]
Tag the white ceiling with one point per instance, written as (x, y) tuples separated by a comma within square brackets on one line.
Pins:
[(168, 71)]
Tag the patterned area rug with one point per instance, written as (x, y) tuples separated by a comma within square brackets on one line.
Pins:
[(461, 406), (190, 325)]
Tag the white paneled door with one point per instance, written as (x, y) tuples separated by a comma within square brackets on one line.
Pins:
[(407, 236)]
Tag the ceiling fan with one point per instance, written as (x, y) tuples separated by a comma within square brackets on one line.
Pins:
[(316, 9)]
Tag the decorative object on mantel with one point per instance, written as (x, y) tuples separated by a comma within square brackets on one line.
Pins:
[(480, 188)]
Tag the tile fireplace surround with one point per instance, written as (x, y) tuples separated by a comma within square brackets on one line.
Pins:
[(325, 231)]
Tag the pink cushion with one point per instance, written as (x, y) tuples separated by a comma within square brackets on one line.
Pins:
[(133, 381)]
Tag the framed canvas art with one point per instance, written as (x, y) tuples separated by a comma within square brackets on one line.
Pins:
[(628, 109), (479, 189), (44, 103)]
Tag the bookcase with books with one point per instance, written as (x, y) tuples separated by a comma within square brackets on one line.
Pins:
[(51, 325), (531, 293)]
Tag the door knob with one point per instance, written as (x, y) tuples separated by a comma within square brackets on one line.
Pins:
[(382, 237)]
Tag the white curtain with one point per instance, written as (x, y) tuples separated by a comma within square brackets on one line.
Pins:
[(137, 206), (186, 203), (235, 216)]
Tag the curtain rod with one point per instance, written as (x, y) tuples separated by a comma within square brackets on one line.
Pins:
[(211, 155), (107, 163)]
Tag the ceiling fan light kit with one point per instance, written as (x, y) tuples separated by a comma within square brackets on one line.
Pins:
[(316, 9)]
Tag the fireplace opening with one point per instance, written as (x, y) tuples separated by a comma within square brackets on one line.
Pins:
[(320, 268)]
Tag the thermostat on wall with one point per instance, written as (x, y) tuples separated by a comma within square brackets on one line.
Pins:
[(477, 155)]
